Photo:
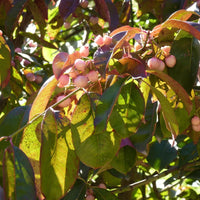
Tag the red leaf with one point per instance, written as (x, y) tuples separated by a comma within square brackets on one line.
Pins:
[(67, 7), (102, 9)]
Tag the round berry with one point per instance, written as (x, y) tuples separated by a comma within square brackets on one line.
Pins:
[(196, 128), (195, 120), (67, 25), (94, 20), (102, 185), (170, 61), (73, 73), (90, 197), (65, 103), (107, 40), (38, 79), (155, 63), (81, 81), (63, 80), (99, 40), (80, 64), (166, 50), (84, 51), (30, 77), (1, 32), (92, 76), (84, 3)]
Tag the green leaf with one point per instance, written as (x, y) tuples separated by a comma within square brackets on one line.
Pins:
[(5, 62), (82, 122), (187, 53), (43, 96), (19, 176), (128, 111), (30, 145), (59, 163), (124, 159), (13, 121), (161, 155), (168, 112), (77, 192), (98, 149), (106, 104), (102, 194)]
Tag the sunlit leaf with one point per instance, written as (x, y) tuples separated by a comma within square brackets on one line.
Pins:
[(59, 163), (43, 96), (98, 149), (19, 176), (128, 111)]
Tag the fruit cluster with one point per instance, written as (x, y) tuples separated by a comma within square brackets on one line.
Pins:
[(195, 121)]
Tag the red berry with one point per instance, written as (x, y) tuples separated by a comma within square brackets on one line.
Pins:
[(195, 120), (67, 25), (107, 40), (80, 64), (102, 185), (63, 80), (84, 3), (170, 60), (73, 73), (30, 77), (81, 81), (84, 51), (166, 50), (99, 40), (1, 32), (155, 63), (90, 197), (94, 20), (65, 103), (196, 128), (92, 76)]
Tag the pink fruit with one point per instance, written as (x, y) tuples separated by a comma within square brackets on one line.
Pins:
[(65, 103), (90, 197), (107, 40), (63, 80), (155, 63), (92, 76), (102, 185), (18, 50), (38, 79), (84, 51), (84, 3), (30, 77), (170, 60), (80, 64), (1, 32), (195, 121), (73, 73), (99, 40), (196, 128), (67, 25), (166, 50), (81, 81), (94, 20)]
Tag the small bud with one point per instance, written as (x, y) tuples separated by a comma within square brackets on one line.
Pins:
[(67, 25), (65, 103), (90, 197), (196, 128), (170, 61), (38, 79), (166, 50), (84, 51), (99, 40), (84, 3), (30, 77), (94, 20), (80, 64), (102, 185), (195, 120), (92, 76), (107, 40), (81, 81), (63, 80)]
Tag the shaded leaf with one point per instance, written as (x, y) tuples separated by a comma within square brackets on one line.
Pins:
[(106, 104), (67, 7), (98, 149), (5, 62), (82, 122), (102, 9), (13, 121), (158, 151), (124, 159), (128, 111), (13, 15), (176, 87), (19, 176), (102, 194), (43, 96), (59, 163)]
